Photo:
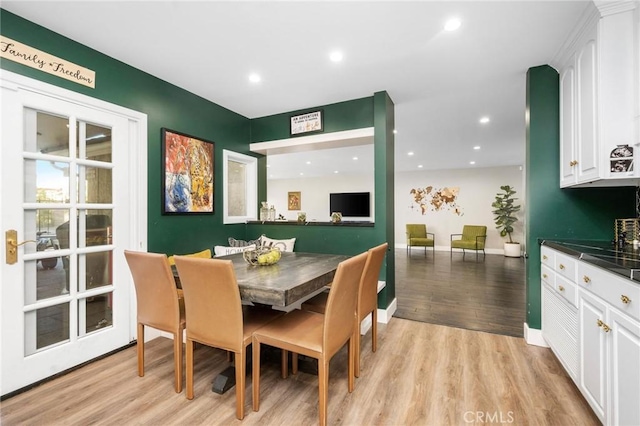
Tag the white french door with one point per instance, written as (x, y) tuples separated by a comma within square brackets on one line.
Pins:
[(66, 208)]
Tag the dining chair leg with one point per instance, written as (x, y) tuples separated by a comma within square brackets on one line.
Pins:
[(241, 365), (374, 330), (140, 348), (177, 357), (323, 389), (351, 355), (189, 368), (357, 349), (284, 363), (255, 374)]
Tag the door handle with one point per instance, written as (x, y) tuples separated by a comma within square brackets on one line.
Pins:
[(12, 244)]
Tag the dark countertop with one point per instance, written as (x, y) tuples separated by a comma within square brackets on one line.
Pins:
[(623, 261)]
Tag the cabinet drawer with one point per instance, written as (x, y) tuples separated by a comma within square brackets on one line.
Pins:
[(565, 266), (547, 257), (567, 290), (547, 275), (619, 292)]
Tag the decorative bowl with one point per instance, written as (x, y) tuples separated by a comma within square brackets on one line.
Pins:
[(262, 256)]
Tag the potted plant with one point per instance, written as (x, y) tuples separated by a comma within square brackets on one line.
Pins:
[(505, 210)]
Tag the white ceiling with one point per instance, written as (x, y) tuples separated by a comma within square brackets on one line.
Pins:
[(441, 82)]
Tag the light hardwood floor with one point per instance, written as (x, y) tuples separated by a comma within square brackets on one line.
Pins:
[(422, 374)]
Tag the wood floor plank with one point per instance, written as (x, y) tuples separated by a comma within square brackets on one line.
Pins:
[(422, 374), (484, 295)]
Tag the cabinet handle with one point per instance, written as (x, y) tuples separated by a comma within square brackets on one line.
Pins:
[(561, 266), (544, 275), (625, 299), (544, 257), (606, 328), (560, 288), (586, 279), (600, 323), (573, 163)]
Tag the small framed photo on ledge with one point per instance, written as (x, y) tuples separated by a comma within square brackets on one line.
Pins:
[(293, 200), (311, 122)]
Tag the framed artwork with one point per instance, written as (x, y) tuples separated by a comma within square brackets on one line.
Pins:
[(310, 122), (187, 174), (293, 200)]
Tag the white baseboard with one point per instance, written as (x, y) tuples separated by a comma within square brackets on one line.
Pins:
[(447, 248), (533, 336), (384, 315)]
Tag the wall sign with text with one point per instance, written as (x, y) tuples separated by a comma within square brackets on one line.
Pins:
[(310, 122), (34, 58)]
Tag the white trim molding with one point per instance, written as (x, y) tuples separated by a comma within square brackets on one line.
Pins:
[(533, 336)]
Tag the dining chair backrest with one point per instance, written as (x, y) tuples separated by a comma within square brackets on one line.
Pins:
[(212, 301), (368, 296), (156, 292), (340, 314)]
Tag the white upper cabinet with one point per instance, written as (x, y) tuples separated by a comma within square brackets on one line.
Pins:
[(600, 98)]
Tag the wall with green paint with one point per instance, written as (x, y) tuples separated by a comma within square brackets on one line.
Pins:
[(166, 106), (377, 112), (552, 212)]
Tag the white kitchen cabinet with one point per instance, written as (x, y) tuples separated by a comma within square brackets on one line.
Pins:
[(593, 353), (591, 321), (609, 345), (559, 313), (625, 381), (599, 98)]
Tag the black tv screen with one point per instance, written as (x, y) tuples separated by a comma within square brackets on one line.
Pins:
[(350, 204)]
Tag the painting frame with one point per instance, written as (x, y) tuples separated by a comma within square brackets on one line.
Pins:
[(188, 174), (294, 200), (308, 123)]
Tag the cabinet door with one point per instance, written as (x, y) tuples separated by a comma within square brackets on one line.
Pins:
[(587, 116), (568, 155), (593, 354), (624, 370)]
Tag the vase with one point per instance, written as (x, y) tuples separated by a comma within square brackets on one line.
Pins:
[(336, 217)]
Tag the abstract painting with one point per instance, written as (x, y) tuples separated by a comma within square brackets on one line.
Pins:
[(188, 179)]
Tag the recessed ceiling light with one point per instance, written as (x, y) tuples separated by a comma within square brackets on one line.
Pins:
[(254, 78), (452, 24), (335, 171), (419, 166), (355, 158), (336, 56), (395, 132), (308, 162), (477, 147), (301, 174), (268, 165), (484, 120), (410, 153), (472, 162)]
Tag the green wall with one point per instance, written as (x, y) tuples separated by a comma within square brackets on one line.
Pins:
[(552, 212), (166, 106), (377, 112)]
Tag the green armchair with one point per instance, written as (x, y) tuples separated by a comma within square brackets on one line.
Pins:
[(417, 236), (473, 237)]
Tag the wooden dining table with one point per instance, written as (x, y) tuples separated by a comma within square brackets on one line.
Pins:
[(294, 278)]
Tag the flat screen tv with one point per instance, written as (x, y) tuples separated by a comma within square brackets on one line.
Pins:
[(350, 204)]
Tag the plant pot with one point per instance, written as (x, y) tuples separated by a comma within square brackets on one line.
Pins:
[(512, 249)]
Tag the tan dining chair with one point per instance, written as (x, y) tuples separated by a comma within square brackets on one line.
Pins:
[(315, 335), (367, 299), (159, 305), (216, 317)]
